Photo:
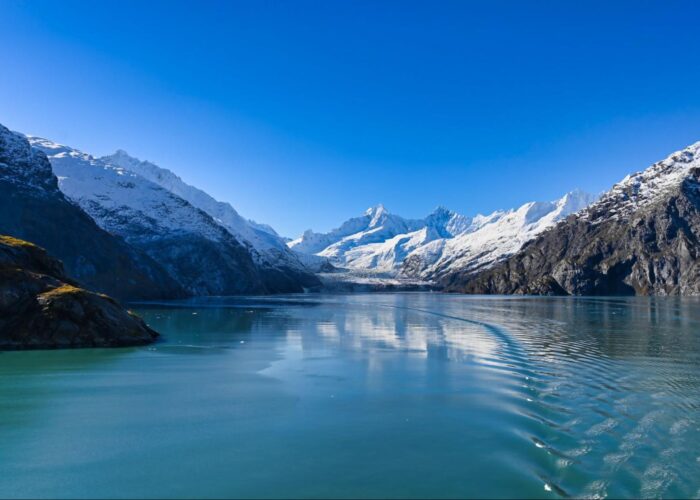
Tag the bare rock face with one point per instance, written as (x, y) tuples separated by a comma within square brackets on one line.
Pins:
[(41, 308), (642, 238)]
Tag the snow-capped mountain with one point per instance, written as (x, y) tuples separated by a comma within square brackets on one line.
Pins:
[(427, 248), (34, 209), (261, 237), (641, 237), (375, 226), (123, 202), (197, 250), (268, 249), (22, 166), (379, 240), (498, 235), (641, 189)]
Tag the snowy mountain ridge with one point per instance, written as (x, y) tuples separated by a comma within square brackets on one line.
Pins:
[(425, 249), (640, 238), (499, 235), (121, 201), (643, 188), (269, 248), (206, 256), (33, 208), (377, 225), (21, 165)]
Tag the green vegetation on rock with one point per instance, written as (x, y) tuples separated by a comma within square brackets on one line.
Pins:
[(41, 308)]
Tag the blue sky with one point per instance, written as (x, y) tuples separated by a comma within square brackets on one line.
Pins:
[(302, 114)]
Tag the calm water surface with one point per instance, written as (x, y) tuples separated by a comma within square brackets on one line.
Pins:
[(382, 395)]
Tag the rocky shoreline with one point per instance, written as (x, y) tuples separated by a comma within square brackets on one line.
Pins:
[(42, 308)]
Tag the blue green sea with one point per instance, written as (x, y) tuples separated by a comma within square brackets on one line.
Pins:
[(405, 395)]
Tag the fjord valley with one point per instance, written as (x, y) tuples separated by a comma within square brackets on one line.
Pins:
[(349, 250), (252, 335), (134, 230), (380, 246), (638, 238)]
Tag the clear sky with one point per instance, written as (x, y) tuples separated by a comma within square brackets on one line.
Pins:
[(302, 114)]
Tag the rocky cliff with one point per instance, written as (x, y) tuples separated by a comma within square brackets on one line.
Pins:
[(41, 308), (641, 238)]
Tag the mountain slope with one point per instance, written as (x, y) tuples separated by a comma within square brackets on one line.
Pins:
[(378, 240), (375, 225), (269, 250), (495, 236), (641, 237), (201, 255), (33, 208), (426, 249)]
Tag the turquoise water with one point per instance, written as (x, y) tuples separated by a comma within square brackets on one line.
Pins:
[(378, 395)]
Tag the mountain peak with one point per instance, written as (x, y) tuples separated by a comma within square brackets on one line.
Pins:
[(376, 210), (123, 154), (441, 211), (576, 200), (122, 158), (377, 214), (575, 193), (49, 147), (270, 249), (161, 176), (640, 238), (641, 189)]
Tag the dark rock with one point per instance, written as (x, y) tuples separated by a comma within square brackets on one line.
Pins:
[(652, 250), (41, 308)]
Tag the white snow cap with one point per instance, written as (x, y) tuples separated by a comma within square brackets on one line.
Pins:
[(386, 243), (641, 189)]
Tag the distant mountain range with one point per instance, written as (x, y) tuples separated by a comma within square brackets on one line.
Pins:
[(430, 248), (135, 230)]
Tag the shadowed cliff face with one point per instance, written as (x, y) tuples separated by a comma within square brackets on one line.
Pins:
[(32, 208), (650, 250), (41, 308)]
